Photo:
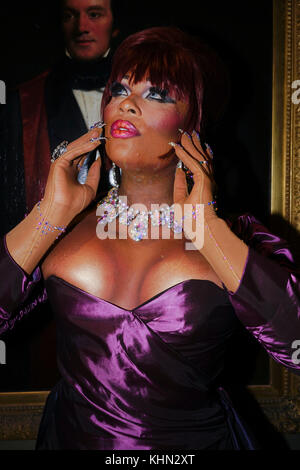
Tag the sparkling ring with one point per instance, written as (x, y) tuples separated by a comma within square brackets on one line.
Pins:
[(98, 125), (59, 150)]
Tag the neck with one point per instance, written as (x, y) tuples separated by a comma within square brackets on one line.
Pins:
[(147, 189)]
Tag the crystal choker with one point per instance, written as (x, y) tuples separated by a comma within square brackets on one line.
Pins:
[(112, 207)]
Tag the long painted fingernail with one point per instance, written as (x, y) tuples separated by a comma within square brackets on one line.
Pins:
[(180, 130), (187, 135), (179, 164), (196, 134), (97, 139), (172, 144), (209, 148), (98, 125)]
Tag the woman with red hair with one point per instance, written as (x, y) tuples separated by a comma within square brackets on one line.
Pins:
[(147, 298)]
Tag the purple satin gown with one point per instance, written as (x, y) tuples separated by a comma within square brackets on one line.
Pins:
[(143, 379)]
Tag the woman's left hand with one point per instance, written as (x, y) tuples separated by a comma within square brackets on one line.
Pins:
[(199, 161)]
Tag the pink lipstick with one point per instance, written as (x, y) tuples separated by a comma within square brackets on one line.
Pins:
[(123, 129)]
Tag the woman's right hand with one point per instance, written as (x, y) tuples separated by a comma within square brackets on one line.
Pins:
[(64, 198), (63, 192)]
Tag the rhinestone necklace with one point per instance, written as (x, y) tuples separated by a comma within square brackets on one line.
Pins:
[(138, 220)]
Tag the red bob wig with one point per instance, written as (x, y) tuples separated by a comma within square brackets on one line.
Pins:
[(180, 63)]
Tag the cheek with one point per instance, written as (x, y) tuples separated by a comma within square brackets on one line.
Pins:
[(167, 124), (109, 114), (103, 31)]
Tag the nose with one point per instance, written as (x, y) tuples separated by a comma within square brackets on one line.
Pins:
[(130, 105), (82, 24)]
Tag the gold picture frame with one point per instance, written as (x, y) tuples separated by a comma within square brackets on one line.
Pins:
[(20, 412), (280, 399)]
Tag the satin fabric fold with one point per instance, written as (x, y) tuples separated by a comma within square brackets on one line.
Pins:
[(145, 379), (267, 301), (19, 293), (141, 379)]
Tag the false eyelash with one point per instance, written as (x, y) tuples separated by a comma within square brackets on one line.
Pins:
[(159, 91), (116, 86), (164, 93)]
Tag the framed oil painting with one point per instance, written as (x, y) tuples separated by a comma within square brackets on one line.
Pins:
[(259, 139)]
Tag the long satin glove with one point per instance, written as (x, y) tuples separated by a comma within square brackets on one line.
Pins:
[(64, 198), (224, 251)]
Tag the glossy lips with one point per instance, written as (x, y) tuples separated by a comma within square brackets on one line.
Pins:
[(123, 129)]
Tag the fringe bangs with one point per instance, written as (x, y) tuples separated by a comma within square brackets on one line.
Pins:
[(172, 60), (159, 65)]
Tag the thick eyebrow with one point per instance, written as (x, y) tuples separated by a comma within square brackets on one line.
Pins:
[(91, 8), (96, 7)]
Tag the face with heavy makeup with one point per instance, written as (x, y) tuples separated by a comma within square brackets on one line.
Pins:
[(141, 120)]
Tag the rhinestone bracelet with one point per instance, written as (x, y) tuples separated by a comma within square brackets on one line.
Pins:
[(45, 226), (195, 212)]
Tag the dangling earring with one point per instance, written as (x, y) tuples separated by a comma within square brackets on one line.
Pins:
[(112, 175)]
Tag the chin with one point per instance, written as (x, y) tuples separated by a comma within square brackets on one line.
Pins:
[(120, 149)]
